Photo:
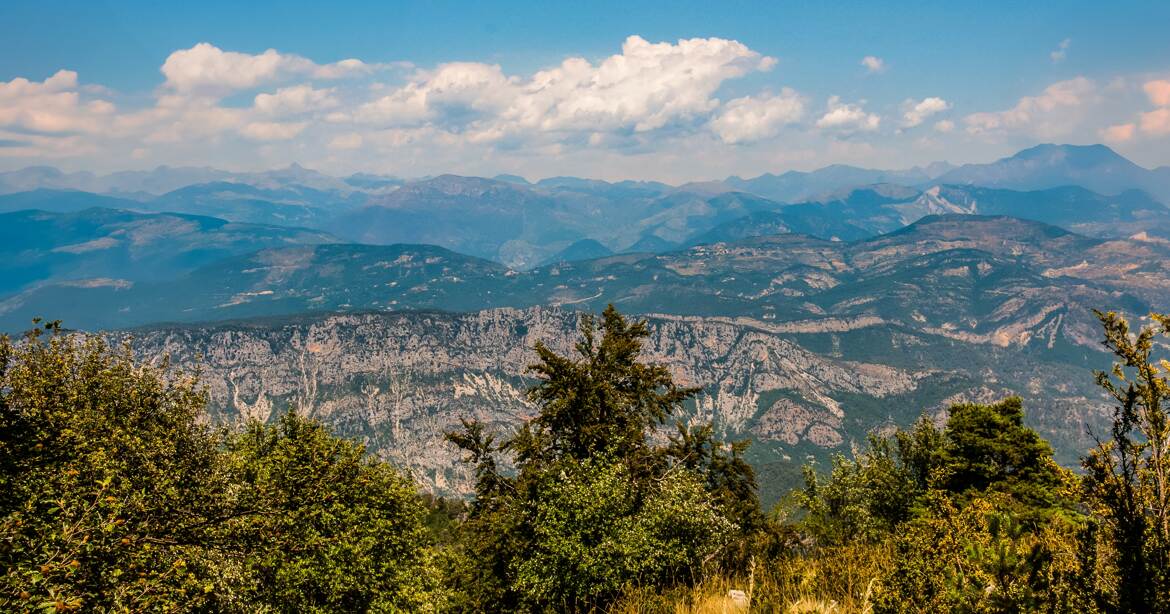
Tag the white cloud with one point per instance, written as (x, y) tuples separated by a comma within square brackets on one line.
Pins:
[(1061, 51), (873, 64), (754, 118), (648, 86), (208, 70), (461, 90), (1047, 114), (1156, 123), (54, 105), (1159, 92), (347, 141), (177, 118), (917, 112), (649, 109), (1118, 133), (847, 118), (296, 99), (272, 131)]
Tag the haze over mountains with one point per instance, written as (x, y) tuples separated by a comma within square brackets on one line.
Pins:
[(806, 302), (522, 224)]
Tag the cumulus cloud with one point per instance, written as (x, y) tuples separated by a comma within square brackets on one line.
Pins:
[(272, 131), (296, 99), (208, 70), (1159, 92), (54, 105), (177, 119), (1061, 52), (1156, 122), (347, 141), (917, 112), (873, 64), (615, 102), (753, 118), (646, 107), (461, 91), (847, 118), (1118, 133), (1042, 115), (648, 86)]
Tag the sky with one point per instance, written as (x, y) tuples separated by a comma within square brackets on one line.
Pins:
[(672, 91)]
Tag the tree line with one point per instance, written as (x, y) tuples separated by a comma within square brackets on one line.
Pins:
[(116, 494)]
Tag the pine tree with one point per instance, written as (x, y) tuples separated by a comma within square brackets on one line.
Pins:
[(1127, 476), (594, 507)]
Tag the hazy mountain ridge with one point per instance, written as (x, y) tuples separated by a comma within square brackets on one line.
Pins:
[(989, 280), (1095, 167), (124, 247), (523, 224)]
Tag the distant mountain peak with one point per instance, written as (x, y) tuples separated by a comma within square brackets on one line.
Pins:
[(517, 179), (1075, 155), (1095, 167)]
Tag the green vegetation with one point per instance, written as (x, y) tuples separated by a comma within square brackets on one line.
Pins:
[(116, 495), (594, 506)]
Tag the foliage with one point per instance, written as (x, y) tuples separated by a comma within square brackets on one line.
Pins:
[(989, 448), (976, 557), (114, 495), (862, 499), (594, 506), (982, 448), (321, 527), (978, 514), (1127, 481), (103, 469), (595, 533)]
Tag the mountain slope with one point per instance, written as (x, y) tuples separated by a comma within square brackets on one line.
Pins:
[(62, 201), (797, 186), (585, 249), (992, 280), (124, 247), (1095, 167), (399, 381)]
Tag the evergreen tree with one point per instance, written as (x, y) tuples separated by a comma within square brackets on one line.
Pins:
[(594, 507), (988, 447)]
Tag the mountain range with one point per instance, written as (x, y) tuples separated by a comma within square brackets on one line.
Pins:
[(814, 307), (1091, 190)]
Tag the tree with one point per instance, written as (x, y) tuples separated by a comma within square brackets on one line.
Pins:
[(105, 478), (1127, 476), (988, 447), (323, 527), (862, 499), (594, 507), (116, 495), (975, 555)]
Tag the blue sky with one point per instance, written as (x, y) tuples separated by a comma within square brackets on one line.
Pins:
[(443, 86)]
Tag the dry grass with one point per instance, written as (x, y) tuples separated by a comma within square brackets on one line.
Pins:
[(837, 581)]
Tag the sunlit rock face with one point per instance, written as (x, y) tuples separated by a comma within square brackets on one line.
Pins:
[(399, 381)]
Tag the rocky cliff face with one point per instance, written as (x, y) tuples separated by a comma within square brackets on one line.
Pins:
[(399, 381)]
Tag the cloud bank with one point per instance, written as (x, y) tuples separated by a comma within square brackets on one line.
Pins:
[(694, 106)]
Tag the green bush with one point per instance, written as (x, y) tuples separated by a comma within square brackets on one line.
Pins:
[(115, 495)]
